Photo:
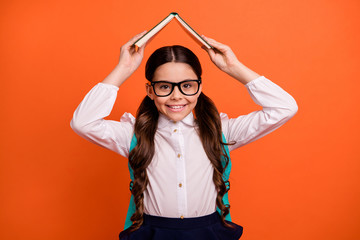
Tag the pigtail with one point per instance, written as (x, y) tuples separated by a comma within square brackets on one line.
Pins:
[(142, 154), (209, 124)]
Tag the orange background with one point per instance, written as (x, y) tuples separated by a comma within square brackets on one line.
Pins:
[(300, 182)]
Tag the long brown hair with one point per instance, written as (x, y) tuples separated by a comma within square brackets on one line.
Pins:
[(209, 129)]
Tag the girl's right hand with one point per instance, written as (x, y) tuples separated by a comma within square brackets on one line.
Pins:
[(130, 59)]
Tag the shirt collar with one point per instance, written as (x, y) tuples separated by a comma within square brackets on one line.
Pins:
[(164, 121)]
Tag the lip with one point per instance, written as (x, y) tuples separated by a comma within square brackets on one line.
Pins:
[(176, 108)]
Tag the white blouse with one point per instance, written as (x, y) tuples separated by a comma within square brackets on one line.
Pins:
[(180, 174)]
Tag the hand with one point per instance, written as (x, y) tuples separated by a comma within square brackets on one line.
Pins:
[(224, 58), (130, 59)]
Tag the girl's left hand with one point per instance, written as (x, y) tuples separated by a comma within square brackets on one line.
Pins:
[(224, 58)]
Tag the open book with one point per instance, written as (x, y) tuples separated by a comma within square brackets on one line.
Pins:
[(164, 22)]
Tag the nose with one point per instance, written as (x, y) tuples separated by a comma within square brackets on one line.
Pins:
[(176, 94)]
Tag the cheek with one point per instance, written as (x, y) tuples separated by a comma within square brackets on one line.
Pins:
[(195, 98), (193, 101), (159, 102)]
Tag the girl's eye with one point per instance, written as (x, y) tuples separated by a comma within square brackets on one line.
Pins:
[(187, 85), (164, 86)]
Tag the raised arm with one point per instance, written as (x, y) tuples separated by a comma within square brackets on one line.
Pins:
[(277, 105), (88, 119)]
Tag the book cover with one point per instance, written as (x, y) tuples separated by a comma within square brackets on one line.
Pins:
[(192, 33)]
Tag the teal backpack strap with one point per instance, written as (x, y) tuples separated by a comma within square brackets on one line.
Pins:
[(132, 208), (225, 177)]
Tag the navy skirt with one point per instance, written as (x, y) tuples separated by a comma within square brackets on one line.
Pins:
[(207, 227)]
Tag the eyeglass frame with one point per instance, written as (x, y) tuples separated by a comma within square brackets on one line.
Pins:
[(177, 85)]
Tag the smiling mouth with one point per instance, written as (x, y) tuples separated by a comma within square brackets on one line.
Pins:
[(176, 107)]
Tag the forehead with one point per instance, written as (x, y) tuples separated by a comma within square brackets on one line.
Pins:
[(174, 72)]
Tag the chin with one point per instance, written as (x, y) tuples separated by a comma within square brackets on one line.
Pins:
[(176, 117)]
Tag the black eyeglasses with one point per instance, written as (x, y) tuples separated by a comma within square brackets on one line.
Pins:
[(187, 87)]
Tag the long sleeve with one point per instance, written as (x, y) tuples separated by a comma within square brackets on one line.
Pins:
[(277, 108), (88, 120)]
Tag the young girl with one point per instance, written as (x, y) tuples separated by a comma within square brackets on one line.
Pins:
[(178, 144)]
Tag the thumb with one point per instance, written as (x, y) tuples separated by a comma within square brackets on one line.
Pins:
[(209, 51), (205, 48), (142, 49)]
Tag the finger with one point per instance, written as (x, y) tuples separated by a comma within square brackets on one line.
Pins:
[(210, 39), (205, 48), (211, 52), (135, 38), (139, 35), (220, 46), (142, 49), (206, 39)]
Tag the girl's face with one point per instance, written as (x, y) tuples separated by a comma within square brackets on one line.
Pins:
[(176, 106)]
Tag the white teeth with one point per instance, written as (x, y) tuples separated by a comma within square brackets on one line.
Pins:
[(176, 107)]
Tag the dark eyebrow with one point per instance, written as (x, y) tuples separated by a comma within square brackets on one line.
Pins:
[(177, 82)]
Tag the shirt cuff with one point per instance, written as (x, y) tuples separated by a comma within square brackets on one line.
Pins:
[(254, 81), (108, 85)]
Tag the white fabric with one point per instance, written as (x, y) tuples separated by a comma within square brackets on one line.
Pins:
[(179, 156)]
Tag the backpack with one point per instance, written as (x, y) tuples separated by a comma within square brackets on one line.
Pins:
[(226, 174)]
